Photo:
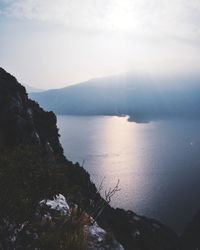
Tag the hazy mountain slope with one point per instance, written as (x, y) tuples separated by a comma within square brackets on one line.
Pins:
[(137, 96), (30, 89)]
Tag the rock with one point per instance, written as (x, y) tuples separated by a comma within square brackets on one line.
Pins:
[(59, 203), (99, 239)]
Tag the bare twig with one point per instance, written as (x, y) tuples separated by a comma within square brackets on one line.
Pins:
[(109, 194)]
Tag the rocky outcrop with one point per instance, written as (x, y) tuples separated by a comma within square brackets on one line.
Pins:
[(97, 237), (16, 116), (22, 120)]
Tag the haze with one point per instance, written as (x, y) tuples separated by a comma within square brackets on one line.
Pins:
[(50, 44)]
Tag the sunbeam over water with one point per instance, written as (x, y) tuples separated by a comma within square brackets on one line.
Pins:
[(156, 163)]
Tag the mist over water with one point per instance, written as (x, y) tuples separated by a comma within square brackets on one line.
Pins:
[(157, 163)]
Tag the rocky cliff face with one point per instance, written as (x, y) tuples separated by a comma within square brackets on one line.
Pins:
[(23, 122)]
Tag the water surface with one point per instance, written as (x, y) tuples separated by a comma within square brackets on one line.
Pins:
[(157, 163)]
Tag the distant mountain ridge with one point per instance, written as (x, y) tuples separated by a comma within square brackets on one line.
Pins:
[(31, 89), (138, 96)]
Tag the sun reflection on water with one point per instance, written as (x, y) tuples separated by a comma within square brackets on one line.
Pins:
[(152, 161)]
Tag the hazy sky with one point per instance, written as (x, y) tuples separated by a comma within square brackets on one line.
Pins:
[(53, 43)]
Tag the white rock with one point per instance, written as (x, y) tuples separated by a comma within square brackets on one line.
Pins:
[(136, 218), (59, 203), (96, 232), (97, 239)]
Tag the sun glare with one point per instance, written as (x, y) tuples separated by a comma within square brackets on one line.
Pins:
[(121, 18)]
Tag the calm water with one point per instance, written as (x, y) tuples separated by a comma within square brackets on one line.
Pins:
[(158, 163)]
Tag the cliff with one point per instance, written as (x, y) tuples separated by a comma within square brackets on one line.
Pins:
[(33, 168), (23, 122)]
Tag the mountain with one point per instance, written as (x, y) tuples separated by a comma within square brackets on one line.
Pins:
[(138, 96), (31, 89), (47, 202)]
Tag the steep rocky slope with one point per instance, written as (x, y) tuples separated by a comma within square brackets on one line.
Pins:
[(22, 120), (32, 168)]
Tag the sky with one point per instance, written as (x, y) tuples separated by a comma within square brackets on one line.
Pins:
[(51, 44)]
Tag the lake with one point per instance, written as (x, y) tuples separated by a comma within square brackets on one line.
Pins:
[(157, 163)]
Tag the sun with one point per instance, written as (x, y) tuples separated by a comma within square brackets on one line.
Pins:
[(122, 18)]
